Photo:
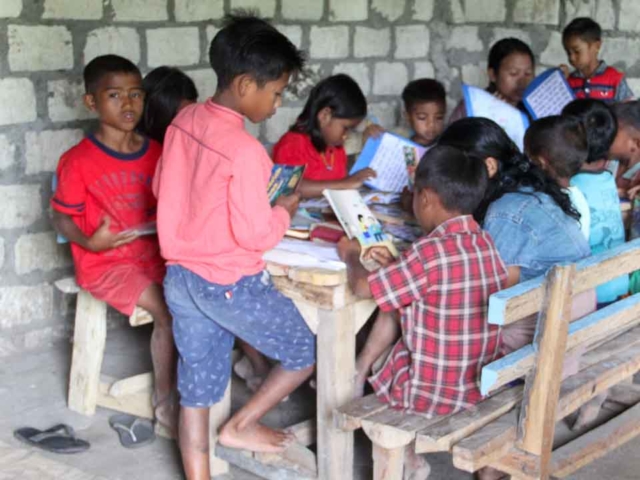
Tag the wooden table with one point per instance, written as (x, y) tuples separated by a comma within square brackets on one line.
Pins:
[(335, 315)]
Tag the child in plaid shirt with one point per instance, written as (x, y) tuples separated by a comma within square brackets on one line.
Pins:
[(439, 289)]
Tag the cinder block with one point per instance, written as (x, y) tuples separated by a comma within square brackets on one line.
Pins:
[(302, 9), (329, 42), (412, 41), (173, 46), (45, 148), (358, 71), (198, 10), (7, 152), (123, 41), (24, 305), (139, 10), (348, 11), (21, 205), (423, 10), (390, 10), (65, 101), (389, 78), (371, 42), (266, 8), (540, 11), (39, 48), (18, 100), (69, 9)]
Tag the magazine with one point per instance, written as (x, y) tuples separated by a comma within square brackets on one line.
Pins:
[(394, 159), (284, 180), (359, 222), (547, 94)]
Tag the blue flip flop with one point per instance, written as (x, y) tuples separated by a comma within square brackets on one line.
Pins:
[(58, 439), (134, 432)]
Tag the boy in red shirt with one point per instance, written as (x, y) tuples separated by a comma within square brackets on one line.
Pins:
[(215, 223), (104, 191), (592, 78)]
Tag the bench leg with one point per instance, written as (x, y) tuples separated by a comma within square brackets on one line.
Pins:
[(388, 463), (218, 415), (89, 337)]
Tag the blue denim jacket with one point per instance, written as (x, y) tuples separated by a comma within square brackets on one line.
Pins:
[(531, 231)]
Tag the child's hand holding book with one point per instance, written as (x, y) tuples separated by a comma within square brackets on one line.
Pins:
[(104, 239), (289, 203)]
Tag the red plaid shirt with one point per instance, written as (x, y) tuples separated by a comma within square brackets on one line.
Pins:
[(441, 285)]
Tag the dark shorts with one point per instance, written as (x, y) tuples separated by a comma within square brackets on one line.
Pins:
[(206, 319)]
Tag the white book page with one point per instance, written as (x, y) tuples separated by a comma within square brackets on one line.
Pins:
[(390, 164), (550, 97)]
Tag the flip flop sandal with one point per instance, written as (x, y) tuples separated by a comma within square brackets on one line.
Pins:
[(134, 432), (58, 439)]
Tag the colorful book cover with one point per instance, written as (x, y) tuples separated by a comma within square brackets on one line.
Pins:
[(284, 180), (547, 94), (394, 159)]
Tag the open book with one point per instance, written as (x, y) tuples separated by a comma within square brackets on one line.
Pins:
[(359, 222), (480, 103), (284, 180), (547, 94), (394, 158)]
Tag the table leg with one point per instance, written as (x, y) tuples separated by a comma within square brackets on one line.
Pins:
[(335, 373)]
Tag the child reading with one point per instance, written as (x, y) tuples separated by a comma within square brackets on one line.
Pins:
[(592, 78), (104, 189), (167, 91), (626, 146), (335, 106), (215, 223), (599, 187), (559, 146), (433, 368)]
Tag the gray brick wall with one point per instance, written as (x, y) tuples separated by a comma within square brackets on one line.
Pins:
[(382, 43)]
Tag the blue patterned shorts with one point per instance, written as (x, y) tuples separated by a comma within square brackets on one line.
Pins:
[(206, 319)]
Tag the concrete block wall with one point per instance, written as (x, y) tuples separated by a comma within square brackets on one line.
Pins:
[(383, 44)]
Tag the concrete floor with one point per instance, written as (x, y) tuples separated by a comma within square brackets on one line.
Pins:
[(33, 393)]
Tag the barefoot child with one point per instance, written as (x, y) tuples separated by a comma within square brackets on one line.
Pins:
[(335, 106), (215, 223), (438, 293), (104, 188), (592, 78)]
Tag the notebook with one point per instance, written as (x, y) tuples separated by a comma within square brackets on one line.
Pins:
[(547, 94), (394, 159), (480, 103), (359, 222)]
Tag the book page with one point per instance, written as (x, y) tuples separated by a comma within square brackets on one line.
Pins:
[(548, 94), (394, 159), (480, 103)]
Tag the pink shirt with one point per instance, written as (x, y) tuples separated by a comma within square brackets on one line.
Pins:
[(214, 216)]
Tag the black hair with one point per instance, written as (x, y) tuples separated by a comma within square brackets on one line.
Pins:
[(423, 90), (165, 90), (502, 49), (338, 92), (627, 114), (599, 122), (484, 138), (457, 177), (104, 65), (561, 141), (250, 45), (584, 28)]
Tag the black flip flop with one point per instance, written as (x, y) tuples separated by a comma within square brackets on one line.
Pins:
[(134, 432), (58, 439)]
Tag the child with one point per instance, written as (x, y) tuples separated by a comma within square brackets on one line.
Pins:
[(592, 78), (599, 187), (626, 145), (559, 146), (511, 67), (335, 106), (215, 223), (167, 91), (433, 368), (425, 107), (104, 191)]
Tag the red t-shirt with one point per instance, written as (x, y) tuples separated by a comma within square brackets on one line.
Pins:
[(95, 181), (296, 149)]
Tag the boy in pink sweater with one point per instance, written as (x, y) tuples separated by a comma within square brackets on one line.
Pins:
[(214, 224)]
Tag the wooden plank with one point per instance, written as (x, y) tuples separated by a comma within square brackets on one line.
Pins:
[(388, 464), (305, 432), (441, 436), (134, 384), (585, 332), (314, 276), (309, 313), (297, 457), (67, 285), (596, 443), (525, 299), (627, 394), (392, 428), (219, 413), (89, 337), (140, 317), (518, 464), (542, 387), (363, 309), (277, 469), (323, 297), (486, 445), (349, 417), (138, 404), (335, 376)]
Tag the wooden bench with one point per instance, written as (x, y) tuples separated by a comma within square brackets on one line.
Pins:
[(513, 429)]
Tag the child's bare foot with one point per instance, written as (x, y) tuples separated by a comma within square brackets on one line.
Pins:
[(256, 438), (415, 466), (166, 412)]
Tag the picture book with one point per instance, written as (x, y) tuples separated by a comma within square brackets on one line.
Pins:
[(359, 222), (284, 180), (480, 103), (547, 94), (394, 159)]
